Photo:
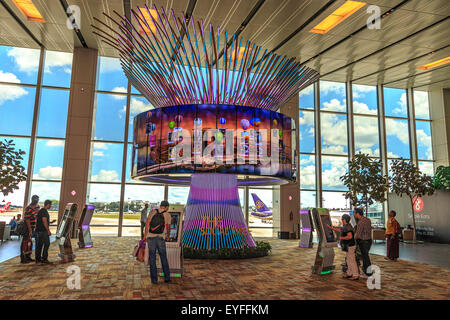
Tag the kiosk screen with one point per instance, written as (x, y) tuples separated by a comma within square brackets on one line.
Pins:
[(329, 234), (62, 225), (305, 219), (174, 223)]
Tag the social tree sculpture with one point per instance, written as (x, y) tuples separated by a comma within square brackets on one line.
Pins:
[(215, 124)]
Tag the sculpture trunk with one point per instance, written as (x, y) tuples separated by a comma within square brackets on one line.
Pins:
[(214, 217)]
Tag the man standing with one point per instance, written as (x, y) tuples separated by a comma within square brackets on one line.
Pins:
[(363, 237), (43, 233), (26, 247), (157, 229), (144, 213)]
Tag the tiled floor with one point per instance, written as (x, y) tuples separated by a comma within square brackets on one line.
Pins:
[(108, 271)]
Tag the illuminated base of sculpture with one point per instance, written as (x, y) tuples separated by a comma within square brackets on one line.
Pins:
[(214, 218)]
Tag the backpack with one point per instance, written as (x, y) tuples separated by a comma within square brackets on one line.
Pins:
[(21, 228), (157, 223)]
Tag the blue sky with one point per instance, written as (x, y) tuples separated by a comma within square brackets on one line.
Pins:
[(20, 66)]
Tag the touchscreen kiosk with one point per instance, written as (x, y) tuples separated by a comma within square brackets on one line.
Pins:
[(84, 234), (327, 241), (63, 233), (306, 235), (173, 244)]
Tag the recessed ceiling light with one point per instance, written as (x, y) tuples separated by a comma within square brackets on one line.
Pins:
[(339, 15), (29, 10), (148, 19), (434, 64)]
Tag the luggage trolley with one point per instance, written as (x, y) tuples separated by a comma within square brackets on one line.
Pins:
[(173, 246)]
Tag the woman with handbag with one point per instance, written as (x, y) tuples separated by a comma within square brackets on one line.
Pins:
[(348, 245), (393, 237)]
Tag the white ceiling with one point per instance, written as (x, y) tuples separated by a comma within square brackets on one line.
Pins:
[(363, 58)]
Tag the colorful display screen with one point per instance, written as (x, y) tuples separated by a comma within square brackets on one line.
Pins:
[(212, 138)]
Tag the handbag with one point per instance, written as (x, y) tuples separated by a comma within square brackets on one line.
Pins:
[(139, 250)]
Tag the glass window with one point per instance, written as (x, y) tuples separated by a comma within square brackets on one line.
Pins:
[(53, 113), (19, 65), (307, 172), (48, 159), (16, 105), (332, 96), (364, 99), (106, 198), (20, 144), (366, 135), (395, 102), (334, 133), (427, 167), (254, 220), (424, 144), (332, 169), (47, 191), (178, 195), (307, 199), (242, 199), (397, 138), (57, 69), (110, 117), (307, 143), (107, 161), (335, 201), (421, 105), (137, 106), (110, 75), (306, 98), (134, 90)]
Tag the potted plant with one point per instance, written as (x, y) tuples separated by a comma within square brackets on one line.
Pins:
[(407, 180)]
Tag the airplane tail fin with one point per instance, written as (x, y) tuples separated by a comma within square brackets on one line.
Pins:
[(5, 207), (260, 206)]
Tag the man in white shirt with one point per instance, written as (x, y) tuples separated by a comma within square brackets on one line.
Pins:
[(144, 213)]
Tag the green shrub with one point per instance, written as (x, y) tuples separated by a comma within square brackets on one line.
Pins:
[(262, 249)]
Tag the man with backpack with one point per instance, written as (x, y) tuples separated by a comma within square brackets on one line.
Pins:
[(26, 247), (157, 230)]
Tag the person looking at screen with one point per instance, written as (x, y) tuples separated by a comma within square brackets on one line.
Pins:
[(363, 237), (43, 233), (26, 247), (157, 230), (348, 245)]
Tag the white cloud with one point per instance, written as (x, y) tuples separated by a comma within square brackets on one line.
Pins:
[(329, 86), (308, 176), (58, 59), (10, 92), (334, 105), (421, 106), (397, 128), (338, 167), (137, 106), (334, 130), (98, 154), (26, 59), (333, 150), (109, 64), (106, 176), (360, 107), (307, 91), (49, 173), (307, 118), (359, 90), (424, 140), (366, 132), (55, 143), (100, 146), (119, 90), (46, 190), (401, 109)]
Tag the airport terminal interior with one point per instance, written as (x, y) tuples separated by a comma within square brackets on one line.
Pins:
[(244, 115)]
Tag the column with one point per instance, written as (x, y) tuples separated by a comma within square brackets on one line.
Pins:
[(74, 186), (440, 125)]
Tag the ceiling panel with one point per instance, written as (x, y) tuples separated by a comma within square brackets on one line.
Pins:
[(271, 25)]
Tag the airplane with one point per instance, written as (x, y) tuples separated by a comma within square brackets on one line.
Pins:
[(262, 211), (5, 208)]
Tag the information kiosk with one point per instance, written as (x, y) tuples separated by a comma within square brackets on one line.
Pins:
[(306, 235), (84, 234), (327, 241), (173, 246), (63, 233)]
